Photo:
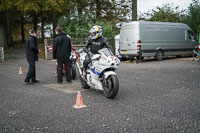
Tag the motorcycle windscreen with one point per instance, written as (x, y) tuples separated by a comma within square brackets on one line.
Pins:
[(106, 51)]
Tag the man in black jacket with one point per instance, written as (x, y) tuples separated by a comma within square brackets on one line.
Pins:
[(32, 56), (62, 52)]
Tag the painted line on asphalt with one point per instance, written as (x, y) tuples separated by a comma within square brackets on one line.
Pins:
[(66, 88)]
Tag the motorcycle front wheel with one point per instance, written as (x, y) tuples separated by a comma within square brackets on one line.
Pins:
[(111, 87)]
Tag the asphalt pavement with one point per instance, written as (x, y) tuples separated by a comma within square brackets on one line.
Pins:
[(154, 96)]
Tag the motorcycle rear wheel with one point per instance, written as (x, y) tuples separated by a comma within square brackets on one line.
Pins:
[(111, 87), (73, 72), (84, 83)]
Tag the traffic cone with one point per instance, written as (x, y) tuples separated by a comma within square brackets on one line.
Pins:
[(79, 101), (20, 70)]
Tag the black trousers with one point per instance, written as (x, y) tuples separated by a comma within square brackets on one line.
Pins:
[(87, 61), (31, 71), (68, 68)]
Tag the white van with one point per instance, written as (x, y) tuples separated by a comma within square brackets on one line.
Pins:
[(156, 39), (117, 49)]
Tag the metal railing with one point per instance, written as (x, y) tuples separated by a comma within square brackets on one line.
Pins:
[(48, 48), (1, 54), (48, 52)]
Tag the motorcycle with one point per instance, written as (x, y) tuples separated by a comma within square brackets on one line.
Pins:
[(100, 73)]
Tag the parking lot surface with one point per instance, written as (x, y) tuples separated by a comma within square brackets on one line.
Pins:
[(154, 96)]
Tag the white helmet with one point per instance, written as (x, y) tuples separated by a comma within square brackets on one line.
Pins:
[(95, 32)]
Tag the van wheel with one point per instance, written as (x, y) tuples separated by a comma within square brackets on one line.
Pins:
[(159, 55)]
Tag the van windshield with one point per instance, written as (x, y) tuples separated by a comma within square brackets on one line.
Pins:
[(191, 35)]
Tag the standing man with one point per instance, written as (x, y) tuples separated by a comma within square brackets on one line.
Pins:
[(32, 56), (62, 52)]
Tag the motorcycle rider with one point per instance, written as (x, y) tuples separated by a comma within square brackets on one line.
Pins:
[(96, 42)]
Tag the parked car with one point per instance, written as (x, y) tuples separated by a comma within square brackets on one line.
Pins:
[(156, 39)]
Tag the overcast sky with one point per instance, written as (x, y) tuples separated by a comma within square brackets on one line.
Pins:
[(146, 5)]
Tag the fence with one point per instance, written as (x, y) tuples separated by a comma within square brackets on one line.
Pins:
[(1, 54), (48, 48)]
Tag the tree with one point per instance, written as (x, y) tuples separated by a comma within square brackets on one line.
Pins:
[(109, 10), (134, 10), (166, 13), (122, 10), (5, 6), (78, 26), (193, 16), (26, 14)]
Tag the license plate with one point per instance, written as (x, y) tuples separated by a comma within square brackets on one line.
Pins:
[(123, 51)]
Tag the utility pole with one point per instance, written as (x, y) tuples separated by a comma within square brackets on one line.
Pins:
[(134, 10)]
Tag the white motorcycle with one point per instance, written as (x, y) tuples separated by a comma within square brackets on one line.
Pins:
[(100, 73)]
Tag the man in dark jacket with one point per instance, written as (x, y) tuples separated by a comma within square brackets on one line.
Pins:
[(62, 52), (32, 56)]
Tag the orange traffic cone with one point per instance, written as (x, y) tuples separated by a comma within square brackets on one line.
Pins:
[(79, 101), (20, 70)]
